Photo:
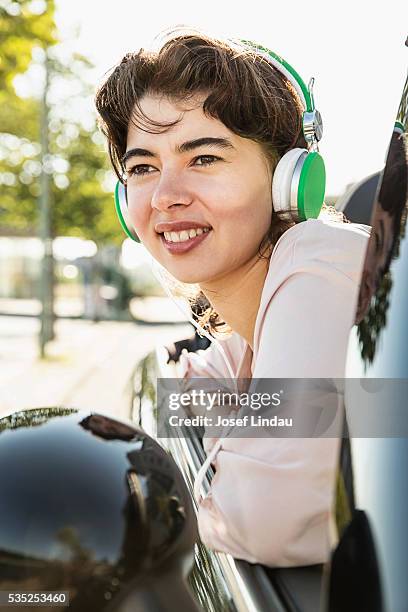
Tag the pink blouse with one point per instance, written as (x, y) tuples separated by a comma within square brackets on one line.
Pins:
[(271, 498)]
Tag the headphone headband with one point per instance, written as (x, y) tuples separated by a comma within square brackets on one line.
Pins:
[(288, 71), (312, 121)]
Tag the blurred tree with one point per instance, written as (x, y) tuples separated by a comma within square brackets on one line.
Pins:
[(23, 25), (81, 182)]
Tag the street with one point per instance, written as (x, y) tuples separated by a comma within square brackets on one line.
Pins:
[(88, 366)]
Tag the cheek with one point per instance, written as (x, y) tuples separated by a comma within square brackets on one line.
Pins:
[(245, 205), (139, 211)]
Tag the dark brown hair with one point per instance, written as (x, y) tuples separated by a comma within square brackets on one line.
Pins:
[(242, 90)]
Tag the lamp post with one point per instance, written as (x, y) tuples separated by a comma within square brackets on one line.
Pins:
[(45, 232)]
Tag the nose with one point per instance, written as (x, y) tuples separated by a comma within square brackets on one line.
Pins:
[(170, 191)]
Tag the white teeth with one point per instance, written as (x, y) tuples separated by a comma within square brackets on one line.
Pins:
[(185, 234)]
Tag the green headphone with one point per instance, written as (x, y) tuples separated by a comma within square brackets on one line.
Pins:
[(121, 206), (299, 179)]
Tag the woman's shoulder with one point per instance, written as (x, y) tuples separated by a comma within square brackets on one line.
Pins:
[(326, 232), (320, 243), (308, 300)]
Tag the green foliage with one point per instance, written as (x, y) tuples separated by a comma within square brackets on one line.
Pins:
[(33, 417), (84, 209), (22, 27), (82, 204), (19, 116)]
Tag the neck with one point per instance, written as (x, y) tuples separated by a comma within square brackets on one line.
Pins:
[(236, 296)]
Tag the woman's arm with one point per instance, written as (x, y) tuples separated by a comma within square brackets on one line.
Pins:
[(210, 363), (271, 498)]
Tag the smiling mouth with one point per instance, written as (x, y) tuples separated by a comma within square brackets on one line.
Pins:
[(185, 235), (177, 243)]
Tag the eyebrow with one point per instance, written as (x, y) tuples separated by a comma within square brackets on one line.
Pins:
[(190, 145)]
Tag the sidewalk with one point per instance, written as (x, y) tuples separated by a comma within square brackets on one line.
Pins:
[(88, 366), (147, 309)]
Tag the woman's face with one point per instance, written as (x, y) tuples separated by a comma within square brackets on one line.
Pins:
[(199, 196)]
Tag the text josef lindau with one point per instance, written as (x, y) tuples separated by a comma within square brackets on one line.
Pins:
[(244, 421)]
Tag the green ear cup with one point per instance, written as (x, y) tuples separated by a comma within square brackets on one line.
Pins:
[(312, 185), (122, 211)]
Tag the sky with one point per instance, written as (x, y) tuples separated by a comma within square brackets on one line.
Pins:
[(354, 49)]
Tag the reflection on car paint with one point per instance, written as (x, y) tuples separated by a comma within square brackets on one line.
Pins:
[(368, 567), (388, 233), (89, 504)]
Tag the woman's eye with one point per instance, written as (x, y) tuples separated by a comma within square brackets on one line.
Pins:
[(144, 169), (140, 170), (205, 160)]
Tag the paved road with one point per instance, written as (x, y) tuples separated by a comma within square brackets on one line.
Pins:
[(88, 366)]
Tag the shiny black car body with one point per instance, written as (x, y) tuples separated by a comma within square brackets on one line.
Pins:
[(93, 511)]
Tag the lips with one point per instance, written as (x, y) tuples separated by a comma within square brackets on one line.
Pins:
[(177, 248), (179, 226)]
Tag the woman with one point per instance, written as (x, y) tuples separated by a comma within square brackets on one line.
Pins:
[(196, 132)]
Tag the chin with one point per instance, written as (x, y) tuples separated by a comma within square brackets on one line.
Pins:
[(198, 273), (189, 277), (189, 273)]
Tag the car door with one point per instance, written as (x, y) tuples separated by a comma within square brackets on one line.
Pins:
[(368, 569)]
